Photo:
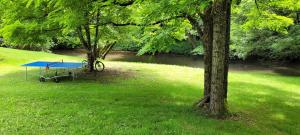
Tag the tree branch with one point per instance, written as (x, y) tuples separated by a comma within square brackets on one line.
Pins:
[(149, 24), (96, 33), (88, 35), (195, 24), (128, 3), (50, 30), (81, 37), (256, 3), (117, 3)]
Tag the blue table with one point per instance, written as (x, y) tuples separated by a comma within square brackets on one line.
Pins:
[(56, 65)]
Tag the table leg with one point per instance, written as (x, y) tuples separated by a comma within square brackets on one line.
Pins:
[(26, 73), (73, 75), (40, 71)]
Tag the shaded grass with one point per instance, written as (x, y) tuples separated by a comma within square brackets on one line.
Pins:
[(153, 99)]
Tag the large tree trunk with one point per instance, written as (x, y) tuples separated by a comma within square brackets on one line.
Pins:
[(217, 105)]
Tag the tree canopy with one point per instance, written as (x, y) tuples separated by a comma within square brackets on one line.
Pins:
[(150, 26)]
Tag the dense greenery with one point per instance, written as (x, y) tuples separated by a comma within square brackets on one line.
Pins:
[(157, 100), (269, 31), (265, 30)]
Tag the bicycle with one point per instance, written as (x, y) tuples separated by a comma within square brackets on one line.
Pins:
[(102, 52), (99, 65)]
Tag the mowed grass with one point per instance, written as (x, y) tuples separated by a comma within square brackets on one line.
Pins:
[(136, 98)]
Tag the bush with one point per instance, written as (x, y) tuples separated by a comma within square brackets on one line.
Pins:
[(33, 47), (129, 46), (64, 43), (266, 44)]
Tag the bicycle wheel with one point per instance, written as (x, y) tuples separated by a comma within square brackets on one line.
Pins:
[(42, 79), (84, 64), (99, 66)]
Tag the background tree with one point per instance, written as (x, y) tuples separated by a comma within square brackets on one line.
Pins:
[(39, 22)]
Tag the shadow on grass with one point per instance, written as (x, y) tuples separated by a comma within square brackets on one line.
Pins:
[(109, 75), (287, 71), (272, 107)]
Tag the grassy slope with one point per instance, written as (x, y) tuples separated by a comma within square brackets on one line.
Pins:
[(135, 98)]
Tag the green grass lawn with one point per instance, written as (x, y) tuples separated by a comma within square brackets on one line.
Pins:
[(136, 98)]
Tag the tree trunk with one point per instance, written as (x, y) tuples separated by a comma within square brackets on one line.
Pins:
[(90, 53), (207, 39), (91, 60), (217, 106)]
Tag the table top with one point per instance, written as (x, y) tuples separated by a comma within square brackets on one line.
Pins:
[(54, 64)]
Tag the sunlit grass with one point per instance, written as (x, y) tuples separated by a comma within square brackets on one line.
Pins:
[(136, 98)]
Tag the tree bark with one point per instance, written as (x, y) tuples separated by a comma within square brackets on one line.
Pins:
[(86, 42), (91, 60), (208, 40), (81, 37), (96, 39), (217, 105)]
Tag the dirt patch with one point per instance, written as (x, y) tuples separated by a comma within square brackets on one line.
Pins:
[(109, 75), (287, 71), (1, 58), (72, 52)]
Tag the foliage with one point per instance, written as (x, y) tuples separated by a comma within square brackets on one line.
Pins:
[(181, 28), (199, 50), (38, 22), (131, 39), (266, 32), (287, 47), (18, 29), (268, 45), (166, 36)]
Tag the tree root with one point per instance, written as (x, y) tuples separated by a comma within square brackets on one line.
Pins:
[(202, 102)]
